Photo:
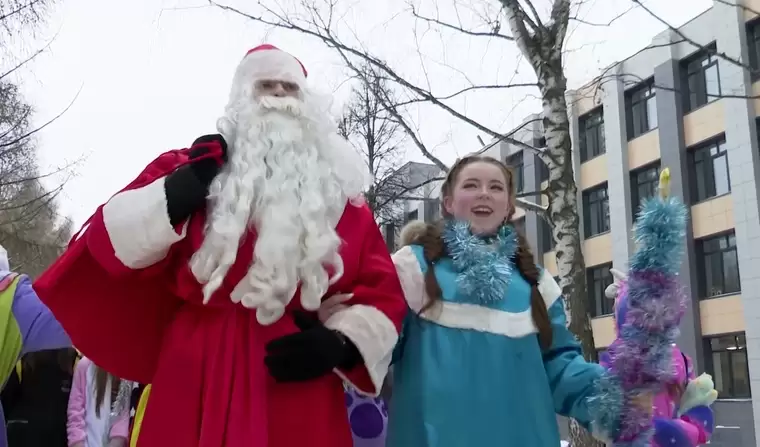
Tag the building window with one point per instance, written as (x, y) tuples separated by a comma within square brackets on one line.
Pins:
[(709, 164), (598, 279), (543, 170), (601, 355), (596, 211), (701, 80), (389, 234), (432, 209), (726, 361), (718, 265), (518, 171), (641, 109), (753, 44), (644, 182), (412, 215), (591, 127), (547, 243)]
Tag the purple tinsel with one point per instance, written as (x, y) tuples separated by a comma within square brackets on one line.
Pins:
[(649, 305)]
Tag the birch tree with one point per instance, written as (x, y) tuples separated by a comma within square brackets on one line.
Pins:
[(379, 137), (541, 39)]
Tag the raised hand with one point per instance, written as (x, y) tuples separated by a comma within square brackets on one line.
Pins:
[(187, 188)]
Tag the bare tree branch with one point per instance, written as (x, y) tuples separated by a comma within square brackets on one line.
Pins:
[(494, 33)]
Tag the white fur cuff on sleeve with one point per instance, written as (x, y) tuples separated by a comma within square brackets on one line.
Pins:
[(411, 278), (137, 222), (374, 335)]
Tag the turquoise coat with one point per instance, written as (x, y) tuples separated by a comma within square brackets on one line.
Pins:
[(472, 375)]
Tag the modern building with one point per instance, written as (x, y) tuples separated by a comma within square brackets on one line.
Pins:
[(677, 104), (674, 104), (412, 192)]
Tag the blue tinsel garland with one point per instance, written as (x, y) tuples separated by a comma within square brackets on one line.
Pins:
[(484, 265), (640, 357)]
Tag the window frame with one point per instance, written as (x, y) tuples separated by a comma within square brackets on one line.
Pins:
[(517, 164), (588, 123), (701, 154), (698, 65), (739, 349), (548, 244), (637, 183), (432, 210), (637, 103), (599, 275), (705, 277), (753, 48), (589, 200)]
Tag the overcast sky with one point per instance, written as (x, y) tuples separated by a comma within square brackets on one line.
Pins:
[(154, 77)]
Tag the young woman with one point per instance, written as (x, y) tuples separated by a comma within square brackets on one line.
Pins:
[(36, 396), (98, 411), (485, 358)]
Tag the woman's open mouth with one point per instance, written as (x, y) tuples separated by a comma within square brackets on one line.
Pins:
[(482, 211)]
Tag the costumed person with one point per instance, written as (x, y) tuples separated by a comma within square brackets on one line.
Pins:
[(649, 305), (213, 263), (94, 417), (26, 325), (682, 413), (485, 356)]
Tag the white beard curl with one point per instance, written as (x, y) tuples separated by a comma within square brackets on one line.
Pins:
[(288, 176)]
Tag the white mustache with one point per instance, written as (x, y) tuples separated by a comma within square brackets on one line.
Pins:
[(287, 104)]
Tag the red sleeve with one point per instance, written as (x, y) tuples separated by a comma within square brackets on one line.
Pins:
[(115, 311), (373, 319), (132, 230)]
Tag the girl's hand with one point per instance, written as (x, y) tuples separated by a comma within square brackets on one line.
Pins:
[(645, 402), (332, 305), (117, 442)]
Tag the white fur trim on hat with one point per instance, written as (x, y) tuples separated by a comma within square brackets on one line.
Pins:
[(267, 62)]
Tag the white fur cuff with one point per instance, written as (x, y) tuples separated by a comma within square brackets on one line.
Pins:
[(137, 222), (374, 335)]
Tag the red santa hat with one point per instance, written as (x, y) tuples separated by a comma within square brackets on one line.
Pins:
[(267, 62)]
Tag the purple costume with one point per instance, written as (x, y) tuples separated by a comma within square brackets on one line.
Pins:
[(26, 325), (368, 417)]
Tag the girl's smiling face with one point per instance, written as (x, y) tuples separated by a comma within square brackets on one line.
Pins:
[(480, 195)]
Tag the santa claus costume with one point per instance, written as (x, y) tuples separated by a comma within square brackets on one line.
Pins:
[(207, 271)]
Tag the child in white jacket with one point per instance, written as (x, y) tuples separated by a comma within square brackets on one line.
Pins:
[(91, 421)]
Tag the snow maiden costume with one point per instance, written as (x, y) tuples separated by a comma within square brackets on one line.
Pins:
[(682, 416), (26, 325), (470, 370)]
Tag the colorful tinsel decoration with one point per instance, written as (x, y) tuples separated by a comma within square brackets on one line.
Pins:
[(483, 273), (639, 359)]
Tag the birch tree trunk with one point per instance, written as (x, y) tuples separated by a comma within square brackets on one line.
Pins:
[(542, 46)]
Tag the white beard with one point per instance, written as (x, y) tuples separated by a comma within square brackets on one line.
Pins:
[(284, 181)]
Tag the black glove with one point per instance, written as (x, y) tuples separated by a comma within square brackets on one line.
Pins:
[(187, 188), (311, 353)]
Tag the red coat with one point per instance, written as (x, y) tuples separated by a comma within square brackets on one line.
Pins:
[(124, 292)]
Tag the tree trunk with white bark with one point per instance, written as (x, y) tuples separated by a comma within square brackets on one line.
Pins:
[(542, 44)]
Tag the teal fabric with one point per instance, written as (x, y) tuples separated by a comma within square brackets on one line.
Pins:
[(454, 387)]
